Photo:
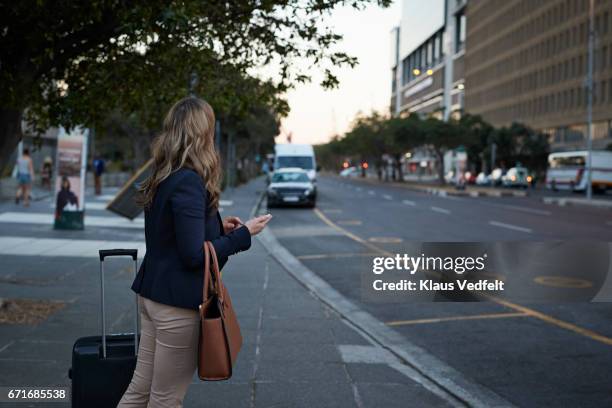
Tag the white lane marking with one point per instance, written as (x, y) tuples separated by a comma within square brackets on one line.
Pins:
[(440, 210), (90, 205), (408, 202), (104, 197), (226, 203), (90, 220), (63, 247), (510, 226), (359, 188), (527, 209), (371, 192), (387, 197)]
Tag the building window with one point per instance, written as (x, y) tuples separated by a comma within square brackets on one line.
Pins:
[(460, 23)]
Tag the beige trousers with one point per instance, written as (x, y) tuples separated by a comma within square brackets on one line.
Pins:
[(167, 356)]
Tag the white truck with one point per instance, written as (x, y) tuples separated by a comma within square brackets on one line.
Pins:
[(296, 155), (568, 170)]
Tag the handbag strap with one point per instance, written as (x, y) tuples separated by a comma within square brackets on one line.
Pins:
[(218, 284), (209, 272)]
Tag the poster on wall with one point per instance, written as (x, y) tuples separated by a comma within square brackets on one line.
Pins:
[(70, 178)]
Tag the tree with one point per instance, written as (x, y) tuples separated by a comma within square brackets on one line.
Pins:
[(68, 63), (441, 137)]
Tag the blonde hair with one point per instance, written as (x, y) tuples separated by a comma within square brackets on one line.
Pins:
[(187, 140)]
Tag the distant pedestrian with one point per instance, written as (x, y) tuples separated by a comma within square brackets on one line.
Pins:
[(46, 173), (25, 177), (98, 167), (181, 201)]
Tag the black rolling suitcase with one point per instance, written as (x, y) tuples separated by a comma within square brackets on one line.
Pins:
[(102, 366)]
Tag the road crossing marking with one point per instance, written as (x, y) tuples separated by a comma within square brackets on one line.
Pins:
[(456, 318), (54, 247), (90, 220), (387, 197), (510, 227), (408, 202), (440, 210)]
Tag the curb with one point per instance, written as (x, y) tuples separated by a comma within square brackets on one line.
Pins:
[(579, 202), (443, 380)]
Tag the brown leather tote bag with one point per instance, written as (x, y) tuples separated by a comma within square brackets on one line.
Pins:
[(220, 338)]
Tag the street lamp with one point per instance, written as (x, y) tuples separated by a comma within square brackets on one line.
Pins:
[(416, 72)]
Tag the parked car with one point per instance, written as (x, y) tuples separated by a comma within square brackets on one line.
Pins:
[(516, 177), (291, 186), (496, 177), (470, 177), (483, 179), (350, 172)]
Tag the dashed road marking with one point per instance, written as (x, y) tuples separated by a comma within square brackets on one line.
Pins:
[(440, 210), (527, 210), (349, 222), (510, 226), (408, 202), (385, 240), (387, 197), (371, 192)]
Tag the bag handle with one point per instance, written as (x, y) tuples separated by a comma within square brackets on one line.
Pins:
[(215, 286)]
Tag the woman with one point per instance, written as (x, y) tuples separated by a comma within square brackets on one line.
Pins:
[(181, 200), (25, 177)]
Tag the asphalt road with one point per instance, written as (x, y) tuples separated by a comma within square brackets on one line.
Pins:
[(531, 354)]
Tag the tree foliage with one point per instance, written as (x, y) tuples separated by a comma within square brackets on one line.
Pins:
[(374, 136), (66, 62)]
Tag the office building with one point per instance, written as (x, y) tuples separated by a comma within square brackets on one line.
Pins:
[(526, 61)]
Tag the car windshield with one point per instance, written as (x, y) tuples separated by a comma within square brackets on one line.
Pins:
[(289, 177), (303, 162)]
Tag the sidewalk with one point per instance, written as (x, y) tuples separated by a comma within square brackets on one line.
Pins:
[(296, 352)]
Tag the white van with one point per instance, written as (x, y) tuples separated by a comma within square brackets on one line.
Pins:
[(296, 155), (567, 170)]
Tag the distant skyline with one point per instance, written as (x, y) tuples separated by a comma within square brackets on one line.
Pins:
[(316, 114)]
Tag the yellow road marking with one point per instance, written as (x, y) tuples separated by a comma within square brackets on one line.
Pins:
[(554, 321), (456, 318), (563, 282), (338, 255), (349, 234), (519, 308)]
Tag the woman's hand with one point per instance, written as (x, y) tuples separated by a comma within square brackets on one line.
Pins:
[(257, 224), (230, 224)]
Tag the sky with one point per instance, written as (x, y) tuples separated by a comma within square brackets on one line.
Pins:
[(317, 114)]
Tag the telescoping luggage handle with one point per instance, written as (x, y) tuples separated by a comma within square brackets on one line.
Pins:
[(117, 252)]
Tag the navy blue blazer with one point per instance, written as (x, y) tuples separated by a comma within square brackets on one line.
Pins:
[(176, 225)]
